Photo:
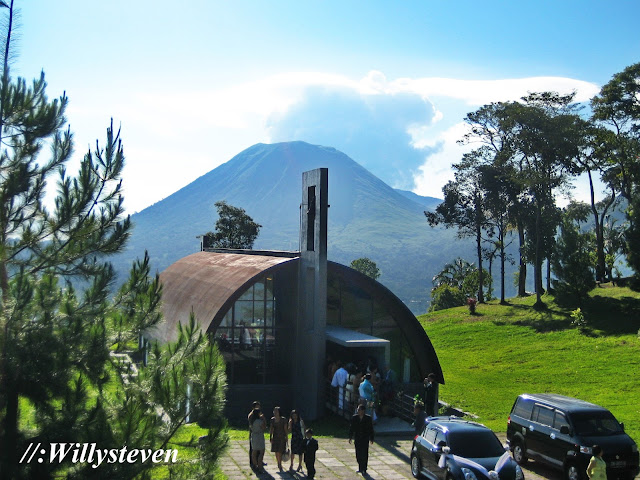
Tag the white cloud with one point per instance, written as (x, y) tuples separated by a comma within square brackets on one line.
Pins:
[(173, 135), (436, 171)]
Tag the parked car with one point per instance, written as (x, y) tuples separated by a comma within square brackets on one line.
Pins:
[(560, 431), (450, 448)]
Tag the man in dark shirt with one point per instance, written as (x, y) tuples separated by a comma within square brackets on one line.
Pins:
[(430, 395), (361, 431)]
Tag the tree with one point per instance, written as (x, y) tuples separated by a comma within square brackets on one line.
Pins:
[(58, 319), (454, 273), (234, 229), (445, 296), (572, 264), (494, 126), (547, 141), (464, 208), (366, 266), (617, 107)]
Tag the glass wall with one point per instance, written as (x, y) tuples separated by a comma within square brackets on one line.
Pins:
[(349, 306), (249, 336)]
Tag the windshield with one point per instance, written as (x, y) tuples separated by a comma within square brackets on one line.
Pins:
[(597, 424), (475, 444)]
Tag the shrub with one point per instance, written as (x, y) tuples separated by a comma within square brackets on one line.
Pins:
[(446, 296)]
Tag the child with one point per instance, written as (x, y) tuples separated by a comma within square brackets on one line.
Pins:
[(310, 446)]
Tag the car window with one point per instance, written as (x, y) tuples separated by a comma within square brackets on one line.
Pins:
[(594, 424), (523, 408), (560, 421), (543, 414), (441, 439), (475, 444), (430, 435)]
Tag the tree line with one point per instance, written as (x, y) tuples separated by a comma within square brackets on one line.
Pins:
[(526, 154)]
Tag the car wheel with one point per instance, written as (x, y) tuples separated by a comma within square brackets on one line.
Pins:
[(518, 452), (415, 466), (572, 472)]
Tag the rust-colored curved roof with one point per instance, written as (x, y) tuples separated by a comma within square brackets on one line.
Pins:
[(204, 282)]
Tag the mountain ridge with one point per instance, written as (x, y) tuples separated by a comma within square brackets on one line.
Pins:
[(367, 217)]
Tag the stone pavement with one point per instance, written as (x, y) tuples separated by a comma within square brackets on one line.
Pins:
[(336, 459)]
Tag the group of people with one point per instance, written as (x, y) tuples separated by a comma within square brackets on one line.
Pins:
[(361, 384), (302, 442)]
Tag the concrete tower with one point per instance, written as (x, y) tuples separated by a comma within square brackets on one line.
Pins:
[(312, 293)]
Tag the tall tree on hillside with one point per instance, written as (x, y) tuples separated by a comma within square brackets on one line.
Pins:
[(546, 144), (500, 192), (464, 208), (494, 126), (58, 322), (617, 107), (234, 228), (367, 266)]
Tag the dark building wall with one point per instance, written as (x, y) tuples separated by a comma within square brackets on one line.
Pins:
[(240, 398)]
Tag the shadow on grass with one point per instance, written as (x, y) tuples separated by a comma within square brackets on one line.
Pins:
[(613, 316)]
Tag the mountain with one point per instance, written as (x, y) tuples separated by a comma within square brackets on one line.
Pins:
[(366, 218), (430, 203)]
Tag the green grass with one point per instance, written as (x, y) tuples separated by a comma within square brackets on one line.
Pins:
[(490, 358)]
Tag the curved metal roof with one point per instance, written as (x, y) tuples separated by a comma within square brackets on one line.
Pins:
[(205, 283), (416, 337), (208, 283)]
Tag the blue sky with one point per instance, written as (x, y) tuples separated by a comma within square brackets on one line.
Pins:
[(388, 82)]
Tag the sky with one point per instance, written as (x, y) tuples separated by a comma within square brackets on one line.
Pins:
[(388, 83)]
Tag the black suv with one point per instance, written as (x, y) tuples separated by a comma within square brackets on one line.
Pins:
[(560, 431), (450, 448)]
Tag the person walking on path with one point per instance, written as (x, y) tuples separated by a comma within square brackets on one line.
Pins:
[(278, 435), (597, 469), (361, 432), (297, 430), (310, 447), (257, 426)]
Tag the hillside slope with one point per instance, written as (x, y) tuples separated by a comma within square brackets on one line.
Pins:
[(490, 358)]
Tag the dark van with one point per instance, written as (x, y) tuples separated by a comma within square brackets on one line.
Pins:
[(560, 431)]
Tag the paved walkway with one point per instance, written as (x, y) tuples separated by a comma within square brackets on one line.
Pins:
[(336, 459)]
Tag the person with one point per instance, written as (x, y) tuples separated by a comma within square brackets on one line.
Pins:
[(278, 435), (310, 446), (340, 380), (361, 432), (257, 426), (387, 387), (597, 469), (421, 418), (254, 405), (430, 395), (297, 430), (366, 395)]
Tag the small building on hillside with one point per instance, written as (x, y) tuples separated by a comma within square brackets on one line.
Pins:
[(277, 316)]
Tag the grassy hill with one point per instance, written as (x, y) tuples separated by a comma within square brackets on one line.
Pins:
[(490, 358)]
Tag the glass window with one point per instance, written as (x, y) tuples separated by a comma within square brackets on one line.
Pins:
[(523, 408), (251, 340), (430, 435), (543, 415), (560, 421)]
